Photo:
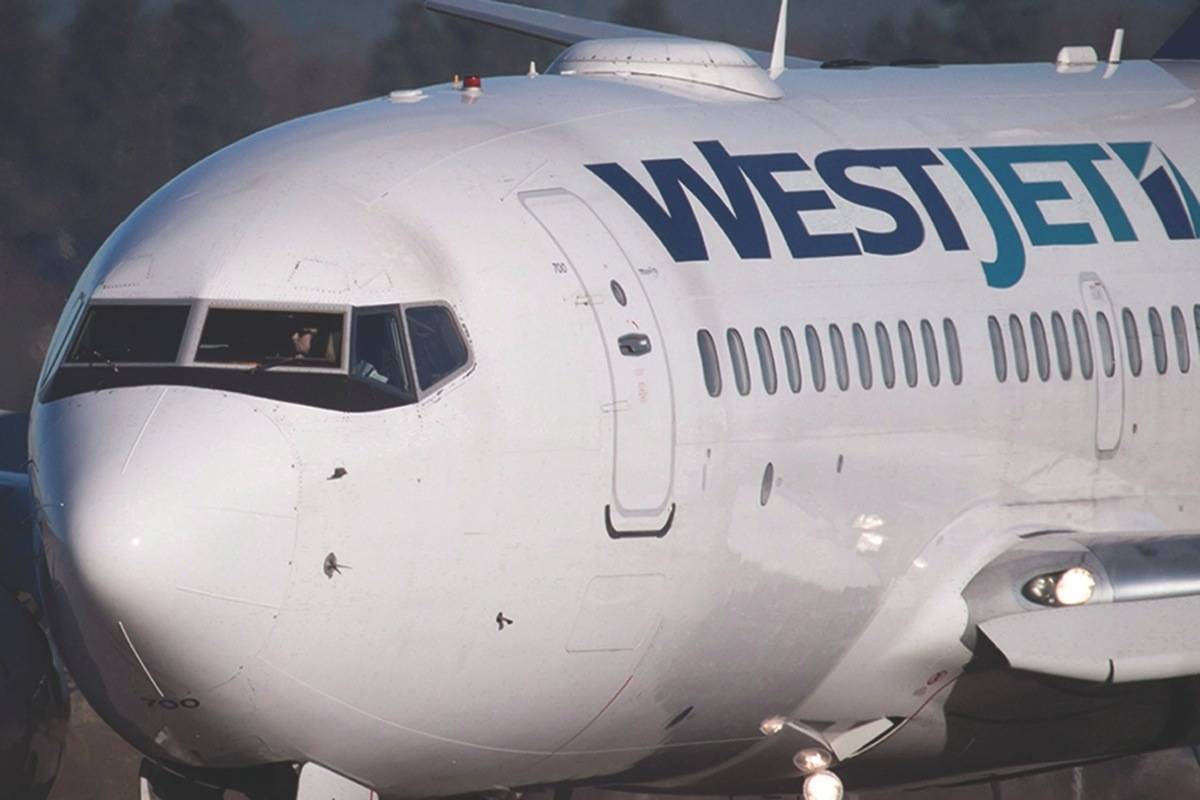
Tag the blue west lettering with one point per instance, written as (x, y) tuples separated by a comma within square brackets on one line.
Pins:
[(786, 207), (676, 225)]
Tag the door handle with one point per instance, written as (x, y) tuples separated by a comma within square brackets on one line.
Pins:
[(634, 344)]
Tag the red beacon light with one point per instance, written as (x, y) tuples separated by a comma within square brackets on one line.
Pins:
[(473, 82)]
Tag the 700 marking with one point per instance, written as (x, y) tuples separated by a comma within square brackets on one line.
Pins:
[(167, 704)]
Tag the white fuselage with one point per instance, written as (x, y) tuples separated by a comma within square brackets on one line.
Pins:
[(489, 624)]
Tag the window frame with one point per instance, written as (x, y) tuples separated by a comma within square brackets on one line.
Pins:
[(200, 309), (710, 362), (409, 366), (766, 360), (933, 362), (463, 335), (1133, 342), (999, 349), (1083, 345), (1041, 347), (816, 357), (1062, 345), (1020, 347), (1183, 342), (887, 357), (908, 354), (739, 361), (953, 351), (791, 358), (841, 359), (1110, 344), (81, 314), (862, 354), (1158, 340)]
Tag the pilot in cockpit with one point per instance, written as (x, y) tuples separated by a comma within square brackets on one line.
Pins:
[(313, 344)]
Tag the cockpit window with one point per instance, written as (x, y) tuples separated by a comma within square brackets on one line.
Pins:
[(437, 345), (271, 338), (379, 350), (126, 334)]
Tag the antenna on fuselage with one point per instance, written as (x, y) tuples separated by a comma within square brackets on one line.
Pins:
[(779, 53)]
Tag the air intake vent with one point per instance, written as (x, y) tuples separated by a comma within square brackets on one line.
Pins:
[(710, 64)]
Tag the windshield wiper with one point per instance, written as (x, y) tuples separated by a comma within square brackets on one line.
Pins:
[(102, 359), (272, 363)]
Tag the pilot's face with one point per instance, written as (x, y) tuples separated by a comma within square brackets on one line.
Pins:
[(302, 341)]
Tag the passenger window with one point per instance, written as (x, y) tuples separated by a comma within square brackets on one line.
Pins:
[(437, 344), (1183, 350), (953, 351), (1108, 353), (1041, 348), (1158, 337), (1196, 321), (909, 354), (1083, 343), (379, 352), (932, 365), (1062, 344), (840, 365), (791, 357), (862, 350), (816, 358), (887, 360), (709, 362), (741, 367), (1133, 342), (271, 338), (121, 334), (766, 360), (999, 354), (1020, 349)]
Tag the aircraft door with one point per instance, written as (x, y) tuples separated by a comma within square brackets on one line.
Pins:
[(641, 404), (1110, 377)]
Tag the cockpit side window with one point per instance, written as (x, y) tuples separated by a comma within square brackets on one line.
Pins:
[(130, 334), (437, 344), (379, 351), (261, 338)]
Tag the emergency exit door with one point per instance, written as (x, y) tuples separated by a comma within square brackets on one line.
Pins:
[(640, 402), (1110, 377)]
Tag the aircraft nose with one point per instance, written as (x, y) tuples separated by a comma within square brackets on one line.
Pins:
[(169, 516)]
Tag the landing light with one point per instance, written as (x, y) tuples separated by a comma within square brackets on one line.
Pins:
[(772, 726), (813, 760), (823, 786), (1074, 587)]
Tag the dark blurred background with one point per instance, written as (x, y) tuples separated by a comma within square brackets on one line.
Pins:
[(103, 101)]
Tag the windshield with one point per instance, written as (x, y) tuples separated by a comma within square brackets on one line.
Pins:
[(120, 334), (269, 338)]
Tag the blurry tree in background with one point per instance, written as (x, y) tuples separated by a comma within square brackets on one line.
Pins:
[(117, 140), (207, 82), (422, 49), (103, 101), (650, 14)]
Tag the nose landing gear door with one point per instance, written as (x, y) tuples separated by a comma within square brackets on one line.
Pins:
[(641, 405)]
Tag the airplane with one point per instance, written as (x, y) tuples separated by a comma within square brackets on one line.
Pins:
[(681, 419)]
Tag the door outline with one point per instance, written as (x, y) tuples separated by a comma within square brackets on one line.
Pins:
[(1110, 392), (621, 522)]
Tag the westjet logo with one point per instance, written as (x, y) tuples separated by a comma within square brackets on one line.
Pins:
[(991, 175)]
